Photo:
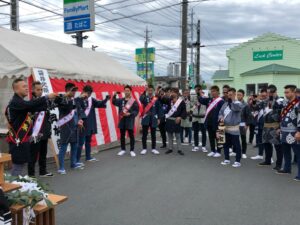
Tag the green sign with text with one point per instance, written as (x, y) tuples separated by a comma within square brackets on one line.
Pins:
[(268, 55)]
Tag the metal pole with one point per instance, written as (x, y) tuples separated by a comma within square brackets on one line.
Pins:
[(198, 78), (14, 15), (146, 52), (79, 39), (184, 43)]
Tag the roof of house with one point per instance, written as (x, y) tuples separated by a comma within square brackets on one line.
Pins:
[(222, 75), (272, 69)]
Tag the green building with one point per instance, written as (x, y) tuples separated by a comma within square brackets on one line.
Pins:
[(267, 59)]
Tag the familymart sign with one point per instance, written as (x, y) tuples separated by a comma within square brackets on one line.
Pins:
[(268, 55), (79, 15)]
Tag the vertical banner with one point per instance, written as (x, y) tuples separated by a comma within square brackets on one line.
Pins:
[(42, 76)]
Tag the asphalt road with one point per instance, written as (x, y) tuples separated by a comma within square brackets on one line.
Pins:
[(175, 190)]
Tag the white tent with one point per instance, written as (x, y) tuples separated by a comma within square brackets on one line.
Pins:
[(20, 52)]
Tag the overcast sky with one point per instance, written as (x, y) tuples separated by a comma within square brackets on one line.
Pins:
[(222, 21)]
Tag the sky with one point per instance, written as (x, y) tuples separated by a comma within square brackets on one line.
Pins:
[(224, 24)]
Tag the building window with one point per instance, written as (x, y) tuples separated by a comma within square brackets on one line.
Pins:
[(250, 89), (262, 86)]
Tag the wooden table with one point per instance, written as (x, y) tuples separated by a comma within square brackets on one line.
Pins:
[(44, 214)]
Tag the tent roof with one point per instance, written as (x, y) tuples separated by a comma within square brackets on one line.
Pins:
[(222, 75), (20, 52), (272, 69)]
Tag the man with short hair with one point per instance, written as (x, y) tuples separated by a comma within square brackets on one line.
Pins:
[(176, 113), (290, 130), (90, 123), (18, 114), (151, 116), (225, 92), (272, 110), (230, 115), (258, 114), (186, 124), (164, 100), (41, 134), (245, 120), (71, 116), (211, 119), (128, 110), (198, 113)]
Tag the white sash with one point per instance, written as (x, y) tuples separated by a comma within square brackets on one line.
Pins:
[(88, 109), (38, 124), (226, 112), (174, 108), (212, 105), (128, 105), (66, 118)]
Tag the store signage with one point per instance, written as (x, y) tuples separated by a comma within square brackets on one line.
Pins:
[(268, 55)]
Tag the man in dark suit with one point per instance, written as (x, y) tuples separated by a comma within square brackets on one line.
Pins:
[(71, 116), (151, 117), (214, 104), (128, 110), (41, 134), (18, 114), (89, 124)]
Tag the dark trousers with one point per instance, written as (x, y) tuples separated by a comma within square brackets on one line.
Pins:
[(38, 151), (269, 153), (212, 134), (131, 136), (232, 141), (163, 133), (259, 142), (199, 127), (251, 132), (287, 154), (186, 132), (145, 135), (86, 141), (244, 143)]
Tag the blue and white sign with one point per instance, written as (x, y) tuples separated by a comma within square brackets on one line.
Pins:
[(79, 15)]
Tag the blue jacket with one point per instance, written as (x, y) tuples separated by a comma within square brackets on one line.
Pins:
[(212, 119), (154, 114)]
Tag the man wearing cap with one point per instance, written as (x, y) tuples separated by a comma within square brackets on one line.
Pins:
[(71, 115), (90, 123)]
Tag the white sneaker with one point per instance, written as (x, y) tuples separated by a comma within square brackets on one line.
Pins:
[(62, 172), (272, 161), (217, 155), (257, 157), (210, 154), (225, 162), (186, 140), (144, 152), (155, 152), (244, 156), (132, 154), (232, 154), (195, 149), (236, 164), (204, 149), (121, 153), (230, 150)]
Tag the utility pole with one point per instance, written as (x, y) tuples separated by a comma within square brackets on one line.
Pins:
[(146, 52), (184, 43), (192, 47), (14, 15), (198, 78), (79, 38)]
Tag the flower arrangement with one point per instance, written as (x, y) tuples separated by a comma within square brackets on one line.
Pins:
[(31, 193)]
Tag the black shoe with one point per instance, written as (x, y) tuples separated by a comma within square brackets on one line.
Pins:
[(283, 172), (180, 152), (168, 152), (264, 164), (163, 146), (277, 168), (47, 175)]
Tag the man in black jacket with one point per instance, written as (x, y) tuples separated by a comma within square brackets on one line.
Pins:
[(18, 114), (40, 135), (90, 123)]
